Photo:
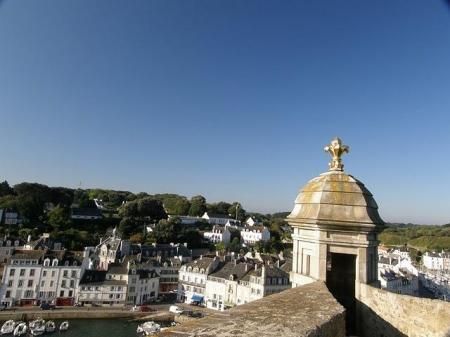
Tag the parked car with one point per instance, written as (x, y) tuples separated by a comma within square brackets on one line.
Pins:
[(47, 306), (175, 309)]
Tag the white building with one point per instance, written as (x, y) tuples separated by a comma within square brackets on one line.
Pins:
[(192, 279), (400, 282), (143, 286), (252, 221), (7, 248), (218, 234), (218, 219), (41, 276), (436, 261), (252, 234)]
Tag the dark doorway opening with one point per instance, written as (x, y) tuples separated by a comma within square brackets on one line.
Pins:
[(341, 275)]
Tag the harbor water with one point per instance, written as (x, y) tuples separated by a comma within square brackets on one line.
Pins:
[(98, 328)]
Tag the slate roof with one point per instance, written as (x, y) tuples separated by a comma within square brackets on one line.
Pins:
[(271, 271), (203, 262), (28, 255), (118, 268), (93, 276), (238, 270)]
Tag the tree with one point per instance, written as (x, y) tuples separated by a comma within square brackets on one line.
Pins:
[(31, 199), (61, 196), (234, 245), (164, 231), (137, 238), (198, 206), (5, 189), (236, 209), (127, 226), (176, 205), (220, 247), (151, 208), (59, 218)]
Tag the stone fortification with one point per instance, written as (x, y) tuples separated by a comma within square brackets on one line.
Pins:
[(306, 311), (388, 314)]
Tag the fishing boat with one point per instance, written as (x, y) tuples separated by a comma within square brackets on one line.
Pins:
[(64, 326), (21, 329), (8, 327), (148, 328), (50, 326), (37, 327)]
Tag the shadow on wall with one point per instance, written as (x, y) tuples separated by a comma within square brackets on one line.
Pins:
[(370, 324)]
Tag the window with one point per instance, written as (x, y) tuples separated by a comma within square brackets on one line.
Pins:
[(22, 272), (53, 273), (72, 283), (42, 283), (74, 273), (30, 283), (44, 273), (308, 264), (8, 294), (63, 283), (31, 272), (65, 273), (61, 293), (10, 283), (11, 272), (20, 284), (70, 293), (51, 283)]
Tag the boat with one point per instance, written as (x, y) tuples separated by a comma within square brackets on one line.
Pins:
[(64, 326), (37, 327), (50, 326), (148, 328), (8, 327), (21, 329)]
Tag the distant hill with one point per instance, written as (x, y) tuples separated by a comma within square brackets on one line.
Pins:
[(420, 237)]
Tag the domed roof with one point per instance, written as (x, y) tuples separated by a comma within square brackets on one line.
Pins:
[(335, 198)]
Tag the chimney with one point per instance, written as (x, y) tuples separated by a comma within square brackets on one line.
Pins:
[(246, 267), (263, 274), (278, 263), (201, 257), (256, 266), (29, 238)]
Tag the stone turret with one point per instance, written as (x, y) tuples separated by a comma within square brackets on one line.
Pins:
[(334, 213)]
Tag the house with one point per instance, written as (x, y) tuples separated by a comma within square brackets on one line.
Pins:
[(192, 279), (401, 282), (42, 276), (143, 285), (218, 234), (252, 221), (7, 248), (262, 280), (218, 219), (86, 214), (186, 219), (252, 234), (162, 250), (221, 285), (436, 261)]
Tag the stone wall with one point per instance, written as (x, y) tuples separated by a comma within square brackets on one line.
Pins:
[(387, 314), (305, 311)]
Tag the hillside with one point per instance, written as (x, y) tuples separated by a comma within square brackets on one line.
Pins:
[(420, 237)]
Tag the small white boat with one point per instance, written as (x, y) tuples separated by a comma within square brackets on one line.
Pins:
[(148, 328), (50, 326), (21, 329), (8, 327), (64, 326), (37, 327)]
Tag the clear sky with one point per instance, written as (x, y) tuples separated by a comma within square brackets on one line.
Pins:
[(233, 100)]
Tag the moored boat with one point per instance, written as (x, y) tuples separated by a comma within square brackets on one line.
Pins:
[(148, 328), (37, 327), (21, 329), (8, 327), (50, 326), (64, 326)]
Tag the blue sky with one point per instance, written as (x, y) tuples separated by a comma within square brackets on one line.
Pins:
[(233, 100)]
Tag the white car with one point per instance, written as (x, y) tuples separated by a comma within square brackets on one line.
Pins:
[(175, 309)]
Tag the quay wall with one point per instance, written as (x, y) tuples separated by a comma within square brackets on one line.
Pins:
[(82, 314)]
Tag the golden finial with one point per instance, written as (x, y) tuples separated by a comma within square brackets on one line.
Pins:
[(336, 149)]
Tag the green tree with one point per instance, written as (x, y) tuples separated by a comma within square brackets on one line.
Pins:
[(234, 245), (176, 205), (127, 226), (198, 206), (137, 238), (5, 189), (31, 199), (236, 209), (59, 218)]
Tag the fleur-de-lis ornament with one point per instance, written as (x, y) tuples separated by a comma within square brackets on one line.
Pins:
[(336, 149)]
